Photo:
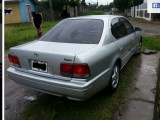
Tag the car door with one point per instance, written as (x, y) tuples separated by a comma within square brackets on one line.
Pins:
[(122, 41), (130, 34)]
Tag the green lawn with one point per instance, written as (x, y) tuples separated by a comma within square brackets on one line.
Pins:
[(21, 33), (152, 43), (100, 107)]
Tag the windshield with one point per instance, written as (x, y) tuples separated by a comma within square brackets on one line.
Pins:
[(83, 31)]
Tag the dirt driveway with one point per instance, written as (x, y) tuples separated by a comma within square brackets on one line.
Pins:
[(14, 93), (149, 28), (14, 96)]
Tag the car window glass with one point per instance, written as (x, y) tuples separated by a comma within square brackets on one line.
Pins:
[(76, 31), (128, 26), (117, 28)]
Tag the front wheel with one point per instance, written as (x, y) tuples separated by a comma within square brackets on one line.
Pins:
[(114, 81)]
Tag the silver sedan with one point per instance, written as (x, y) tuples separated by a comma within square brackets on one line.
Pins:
[(78, 57)]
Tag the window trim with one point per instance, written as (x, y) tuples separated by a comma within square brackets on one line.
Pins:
[(123, 27), (120, 18)]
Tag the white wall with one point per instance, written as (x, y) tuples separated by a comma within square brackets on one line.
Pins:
[(144, 1), (142, 7)]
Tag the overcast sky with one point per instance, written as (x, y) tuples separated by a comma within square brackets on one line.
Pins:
[(100, 2)]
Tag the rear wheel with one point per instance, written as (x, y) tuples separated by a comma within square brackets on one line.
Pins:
[(138, 51), (114, 81)]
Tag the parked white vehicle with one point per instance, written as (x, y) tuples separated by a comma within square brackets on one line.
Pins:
[(78, 57)]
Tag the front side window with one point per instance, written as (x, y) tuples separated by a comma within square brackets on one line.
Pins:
[(117, 28), (81, 31), (128, 26)]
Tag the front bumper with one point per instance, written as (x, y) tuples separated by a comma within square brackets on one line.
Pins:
[(70, 89)]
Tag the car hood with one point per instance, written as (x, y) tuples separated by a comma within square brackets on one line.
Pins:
[(55, 47)]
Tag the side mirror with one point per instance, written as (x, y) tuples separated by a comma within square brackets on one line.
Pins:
[(138, 29)]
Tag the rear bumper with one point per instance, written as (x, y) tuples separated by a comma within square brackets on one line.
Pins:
[(70, 89)]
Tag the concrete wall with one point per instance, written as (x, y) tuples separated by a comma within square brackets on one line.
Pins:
[(140, 11), (71, 11)]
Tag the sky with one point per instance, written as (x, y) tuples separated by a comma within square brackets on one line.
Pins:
[(100, 2)]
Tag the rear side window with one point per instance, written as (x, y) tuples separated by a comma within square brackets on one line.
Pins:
[(128, 26), (117, 28), (83, 31)]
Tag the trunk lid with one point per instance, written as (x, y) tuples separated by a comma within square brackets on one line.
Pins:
[(51, 54)]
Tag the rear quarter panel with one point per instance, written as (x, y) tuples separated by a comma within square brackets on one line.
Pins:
[(101, 58)]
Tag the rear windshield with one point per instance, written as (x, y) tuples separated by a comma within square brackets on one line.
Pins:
[(76, 31)]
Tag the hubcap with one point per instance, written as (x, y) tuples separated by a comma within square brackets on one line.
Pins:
[(115, 77), (140, 44)]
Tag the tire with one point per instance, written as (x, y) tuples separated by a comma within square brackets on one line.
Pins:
[(138, 51), (114, 80)]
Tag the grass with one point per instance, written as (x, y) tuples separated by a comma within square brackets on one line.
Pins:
[(152, 43), (21, 33), (102, 106)]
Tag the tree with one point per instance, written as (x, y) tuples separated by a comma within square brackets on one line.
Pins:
[(137, 2), (58, 5), (83, 3), (106, 7), (124, 4), (121, 4), (111, 5)]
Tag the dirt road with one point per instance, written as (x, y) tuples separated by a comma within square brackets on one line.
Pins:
[(14, 96), (149, 28)]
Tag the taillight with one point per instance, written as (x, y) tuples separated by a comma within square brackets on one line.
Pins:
[(75, 70), (81, 71), (14, 60), (66, 69)]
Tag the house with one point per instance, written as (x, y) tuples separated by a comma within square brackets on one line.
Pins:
[(140, 11), (19, 11)]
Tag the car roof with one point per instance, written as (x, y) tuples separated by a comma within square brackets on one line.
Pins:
[(102, 17)]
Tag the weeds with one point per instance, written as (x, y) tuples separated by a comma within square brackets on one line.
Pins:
[(152, 43), (21, 33)]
